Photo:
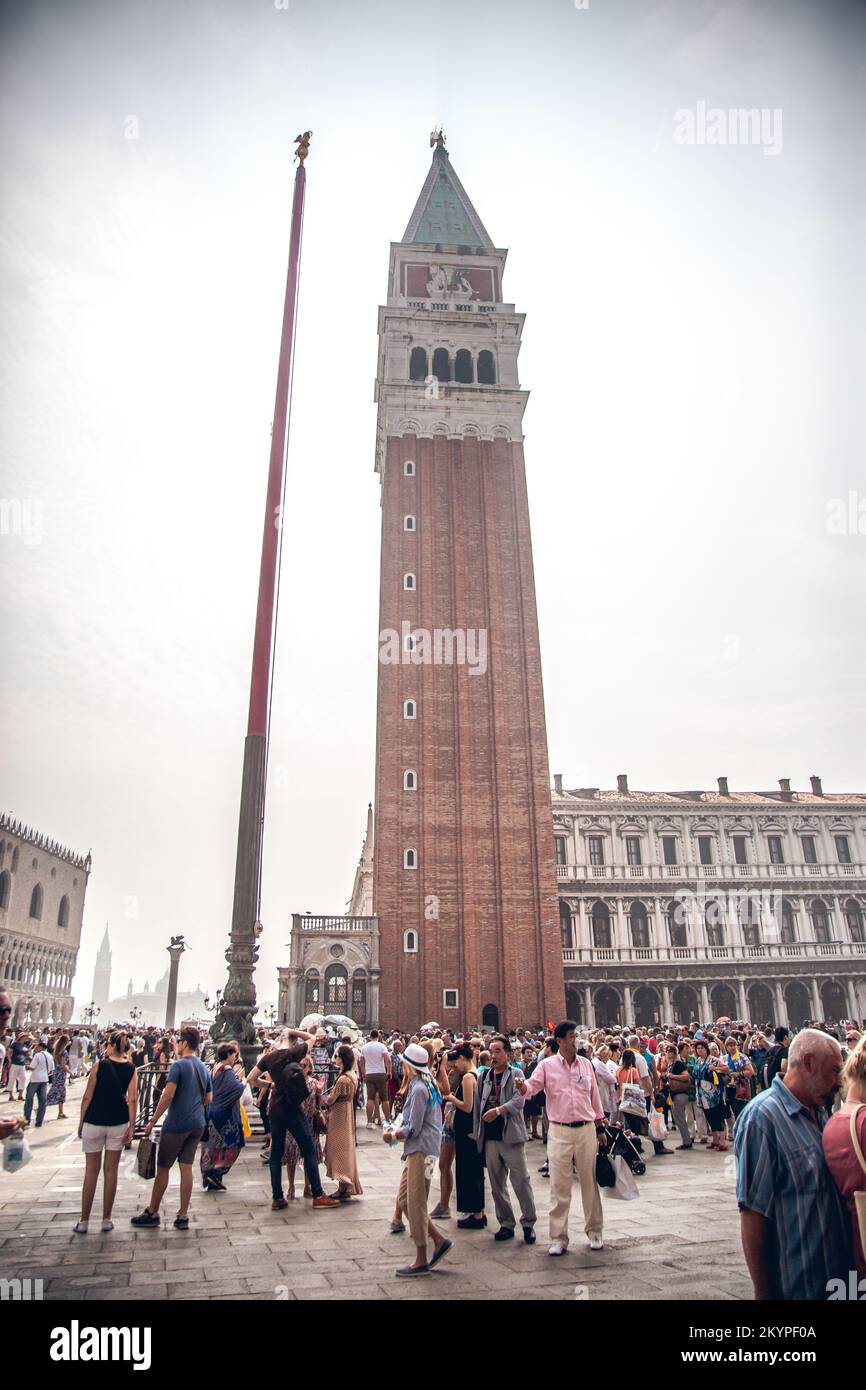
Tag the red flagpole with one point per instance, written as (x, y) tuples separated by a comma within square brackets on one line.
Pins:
[(238, 1004), (263, 642)]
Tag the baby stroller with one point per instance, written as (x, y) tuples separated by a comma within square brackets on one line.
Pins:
[(620, 1144)]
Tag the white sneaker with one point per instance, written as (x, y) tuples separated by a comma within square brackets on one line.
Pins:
[(108, 1225), (596, 1243), (557, 1248), (370, 1124)]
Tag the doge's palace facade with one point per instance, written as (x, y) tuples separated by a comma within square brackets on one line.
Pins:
[(42, 888)]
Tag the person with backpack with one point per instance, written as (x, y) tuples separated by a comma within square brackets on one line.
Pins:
[(777, 1061), (184, 1100), (288, 1092)]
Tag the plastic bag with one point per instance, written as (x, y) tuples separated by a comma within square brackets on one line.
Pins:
[(245, 1122), (16, 1152), (625, 1186), (657, 1126)]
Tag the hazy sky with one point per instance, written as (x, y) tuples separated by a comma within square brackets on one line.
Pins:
[(693, 348)]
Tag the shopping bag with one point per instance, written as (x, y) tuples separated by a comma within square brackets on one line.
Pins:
[(633, 1099), (16, 1152), (625, 1186), (245, 1123), (145, 1159), (657, 1127)]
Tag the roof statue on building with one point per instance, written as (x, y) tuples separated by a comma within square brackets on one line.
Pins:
[(303, 144), (437, 138)]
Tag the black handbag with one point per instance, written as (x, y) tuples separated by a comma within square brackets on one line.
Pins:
[(604, 1171)]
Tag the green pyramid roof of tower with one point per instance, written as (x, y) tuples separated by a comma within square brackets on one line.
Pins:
[(443, 214)]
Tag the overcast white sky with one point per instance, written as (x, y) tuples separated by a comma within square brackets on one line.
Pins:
[(693, 348)]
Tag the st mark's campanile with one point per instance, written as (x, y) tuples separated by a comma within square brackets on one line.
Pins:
[(464, 879)]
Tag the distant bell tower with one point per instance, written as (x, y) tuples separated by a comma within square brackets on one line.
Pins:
[(464, 877), (102, 972)]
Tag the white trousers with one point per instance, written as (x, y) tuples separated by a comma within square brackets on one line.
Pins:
[(17, 1079), (563, 1145)]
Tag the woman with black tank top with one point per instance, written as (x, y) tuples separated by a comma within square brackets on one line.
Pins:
[(107, 1124)]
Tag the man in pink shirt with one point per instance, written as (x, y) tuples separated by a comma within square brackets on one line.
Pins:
[(575, 1114)]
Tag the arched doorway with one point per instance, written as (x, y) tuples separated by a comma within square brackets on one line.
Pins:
[(312, 992), (834, 1000), (639, 923), (854, 919), (723, 1002), (490, 1017), (565, 929), (798, 1002), (359, 996), (677, 918), (761, 1004), (601, 938), (749, 915), (608, 1006), (685, 1003), (820, 921), (787, 918), (336, 990), (574, 1003), (714, 923), (646, 1006)]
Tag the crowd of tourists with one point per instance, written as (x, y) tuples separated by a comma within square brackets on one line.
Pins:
[(466, 1107)]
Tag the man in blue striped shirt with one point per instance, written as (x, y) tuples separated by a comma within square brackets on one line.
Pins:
[(794, 1227)]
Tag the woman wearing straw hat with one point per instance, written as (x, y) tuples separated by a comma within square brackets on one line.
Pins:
[(420, 1128)]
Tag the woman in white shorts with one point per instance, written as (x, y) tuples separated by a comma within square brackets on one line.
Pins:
[(107, 1124)]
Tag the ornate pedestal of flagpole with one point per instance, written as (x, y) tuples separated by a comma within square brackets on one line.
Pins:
[(238, 1005)]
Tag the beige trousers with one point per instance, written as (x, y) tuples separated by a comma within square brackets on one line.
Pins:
[(413, 1194), (563, 1145)]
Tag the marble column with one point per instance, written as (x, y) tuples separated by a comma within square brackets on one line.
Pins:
[(666, 1005), (583, 939), (852, 999), (705, 1005), (660, 942), (621, 933), (628, 1006), (817, 1006), (588, 1007), (779, 995), (741, 992)]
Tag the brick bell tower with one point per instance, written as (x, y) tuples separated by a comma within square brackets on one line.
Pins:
[(464, 877)]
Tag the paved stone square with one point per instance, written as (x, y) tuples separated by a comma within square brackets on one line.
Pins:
[(678, 1239)]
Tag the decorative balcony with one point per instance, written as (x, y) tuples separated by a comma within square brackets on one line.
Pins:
[(340, 926), (770, 950), (620, 873)]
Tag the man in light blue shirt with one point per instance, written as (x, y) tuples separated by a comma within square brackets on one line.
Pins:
[(794, 1226)]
